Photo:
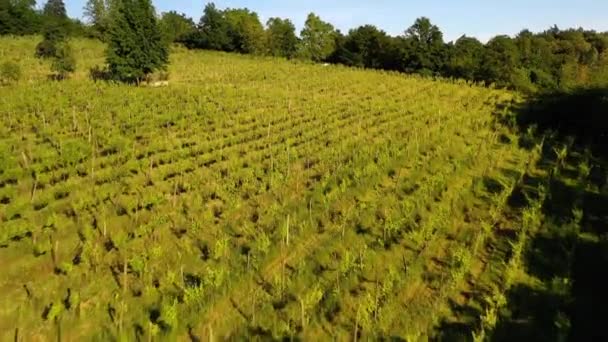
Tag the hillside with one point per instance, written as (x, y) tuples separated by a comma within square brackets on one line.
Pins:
[(258, 197)]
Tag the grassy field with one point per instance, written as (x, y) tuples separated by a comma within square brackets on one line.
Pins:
[(263, 198)]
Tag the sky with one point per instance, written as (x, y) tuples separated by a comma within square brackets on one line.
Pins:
[(482, 19)]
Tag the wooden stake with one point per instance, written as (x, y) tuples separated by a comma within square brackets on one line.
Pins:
[(34, 190), (25, 161), (287, 232), (302, 313), (124, 276)]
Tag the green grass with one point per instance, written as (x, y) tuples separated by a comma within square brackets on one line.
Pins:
[(255, 197)]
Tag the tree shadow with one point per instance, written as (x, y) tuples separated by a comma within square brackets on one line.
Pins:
[(460, 330), (581, 113), (564, 296), (590, 306), (565, 257)]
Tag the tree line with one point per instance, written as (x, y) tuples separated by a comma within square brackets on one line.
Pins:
[(553, 60), (547, 61), (20, 17)]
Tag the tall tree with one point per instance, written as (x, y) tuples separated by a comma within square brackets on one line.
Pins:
[(500, 61), (212, 31), (318, 39), (245, 30), (424, 48), (96, 11), (176, 27), (281, 36), (7, 22), (55, 9), (19, 17), (135, 44), (536, 55), (465, 58), (55, 28), (368, 47)]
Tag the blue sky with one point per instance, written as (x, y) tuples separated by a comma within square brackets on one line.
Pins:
[(480, 18)]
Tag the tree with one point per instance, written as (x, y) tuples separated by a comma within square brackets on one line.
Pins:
[(318, 39), (96, 11), (212, 31), (176, 27), (55, 9), (135, 44), (424, 48), (465, 58), (536, 55), (54, 45), (231, 30), (340, 55), (19, 17), (7, 21), (500, 61), (600, 71), (55, 28), (281, 36), (245, 30), (368, 47)]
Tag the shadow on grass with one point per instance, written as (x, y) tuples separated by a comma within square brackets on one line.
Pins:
[(566, 301), (566, 295), (582, 114)]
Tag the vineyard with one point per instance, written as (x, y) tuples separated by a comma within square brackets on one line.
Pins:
[(258, 198)]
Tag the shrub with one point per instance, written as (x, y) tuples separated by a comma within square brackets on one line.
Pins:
[(46, 49), (63, 62), (10, 72), (98, 73)]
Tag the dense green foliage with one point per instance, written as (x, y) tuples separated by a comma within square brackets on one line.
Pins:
[(281, 38), (368, 47), (136, 47), (246, 32), (424, 48), (318, 39), (19, 17), (232, 30), (465, 58), (176, 27)]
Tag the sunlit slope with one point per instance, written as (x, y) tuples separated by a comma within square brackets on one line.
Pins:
[(250, 197)]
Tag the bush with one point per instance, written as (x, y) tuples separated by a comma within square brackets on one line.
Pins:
[(10, 72), (64, 62), (98, 73), (46, 49)]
